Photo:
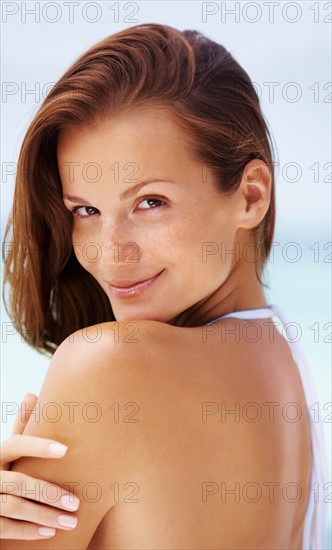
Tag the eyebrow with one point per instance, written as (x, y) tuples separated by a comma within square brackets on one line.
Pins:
[(125, 194)]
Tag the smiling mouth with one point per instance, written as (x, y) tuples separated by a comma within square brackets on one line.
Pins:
[(133, 288)]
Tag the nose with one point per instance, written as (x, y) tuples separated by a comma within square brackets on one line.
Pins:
[(121, 252), (118, 245)]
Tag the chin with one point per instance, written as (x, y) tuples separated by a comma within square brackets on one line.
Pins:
[(127, 316), (123, 315)]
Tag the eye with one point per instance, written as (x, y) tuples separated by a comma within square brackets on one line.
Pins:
[(76, 209), (150, 200)]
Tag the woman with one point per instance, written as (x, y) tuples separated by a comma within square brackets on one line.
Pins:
[(143, 217)]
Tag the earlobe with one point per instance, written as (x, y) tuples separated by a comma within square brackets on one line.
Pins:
[(256, 190)]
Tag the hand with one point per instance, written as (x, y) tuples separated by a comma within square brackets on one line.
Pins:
[(41, 520)]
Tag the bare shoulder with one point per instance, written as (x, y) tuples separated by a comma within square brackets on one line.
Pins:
[(219, 433), (177, 429), (201, 423), (99, 349), (119, 349), (253, 366), (87, 395), (254, 369)]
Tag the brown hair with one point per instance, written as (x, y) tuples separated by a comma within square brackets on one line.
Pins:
[(146, 64)]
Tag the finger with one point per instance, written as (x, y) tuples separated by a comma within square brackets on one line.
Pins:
[(16, 484), (19, 508), (18, 445), (24, 413), (22, 530)]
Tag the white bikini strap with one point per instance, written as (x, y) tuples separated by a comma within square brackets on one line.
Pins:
[(316, 516), (313, 532), (258, 313)]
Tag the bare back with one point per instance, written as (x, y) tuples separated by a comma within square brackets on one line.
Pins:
[(221, 452)]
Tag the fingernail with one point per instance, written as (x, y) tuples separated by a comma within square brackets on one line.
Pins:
[(57, 449), (67, 521), (46, 531), (70, 502)]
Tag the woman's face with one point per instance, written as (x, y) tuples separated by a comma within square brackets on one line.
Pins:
[(175, 227)]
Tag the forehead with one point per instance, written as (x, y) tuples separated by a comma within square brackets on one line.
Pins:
[(131, 145), (136, 127)]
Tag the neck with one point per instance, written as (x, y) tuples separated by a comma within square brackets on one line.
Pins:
[(240, 291)]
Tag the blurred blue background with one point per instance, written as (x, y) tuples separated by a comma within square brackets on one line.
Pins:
[(286, 51)]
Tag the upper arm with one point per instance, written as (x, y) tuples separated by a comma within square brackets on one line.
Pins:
[(84, 380)]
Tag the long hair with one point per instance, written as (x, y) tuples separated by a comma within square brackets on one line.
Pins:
[(216, 105)]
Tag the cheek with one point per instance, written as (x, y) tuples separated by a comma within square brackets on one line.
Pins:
[(213, 250), (87, 250), (202, 243), (80, 233)]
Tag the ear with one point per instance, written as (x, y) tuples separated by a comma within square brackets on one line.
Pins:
[(255, 192)]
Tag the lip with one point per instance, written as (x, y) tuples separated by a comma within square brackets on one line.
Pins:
[(131, 289)]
